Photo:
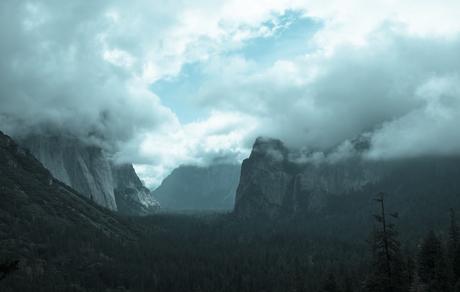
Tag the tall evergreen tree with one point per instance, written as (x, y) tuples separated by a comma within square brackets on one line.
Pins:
[(347, 284), (7, 268), (387, 270), (432, 270), (453, 249), (330, 284)]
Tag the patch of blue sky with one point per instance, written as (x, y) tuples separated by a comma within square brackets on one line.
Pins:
[(175, 93), (291, 37)]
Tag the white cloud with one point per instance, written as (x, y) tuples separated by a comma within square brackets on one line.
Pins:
[(321, 100), (217, 139), (430, 129), (86, 67)]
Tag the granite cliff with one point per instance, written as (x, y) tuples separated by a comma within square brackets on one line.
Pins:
[(132, 197), (276, 183), (31, 195), (88, 169)]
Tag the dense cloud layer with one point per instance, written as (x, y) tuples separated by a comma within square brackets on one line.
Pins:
[(402, 89), (389, 69), (54, 75)]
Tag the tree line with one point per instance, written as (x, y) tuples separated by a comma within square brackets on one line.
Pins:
[(433, 267), (216, 253)]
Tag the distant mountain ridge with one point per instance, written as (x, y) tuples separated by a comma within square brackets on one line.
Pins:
[(199, 188), (88, 169), (274, 183)]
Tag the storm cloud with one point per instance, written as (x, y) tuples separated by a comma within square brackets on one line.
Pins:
[(401, 89), (55, 75), (89, 69)]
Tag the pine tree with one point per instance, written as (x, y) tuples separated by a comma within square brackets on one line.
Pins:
[(348, 285), (432, 269), (457, 287), (330, 285), (410, 267), (453, 249), (7, 268), (417, 285), (387, 271)]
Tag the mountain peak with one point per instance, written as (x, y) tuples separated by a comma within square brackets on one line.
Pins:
[(270, 148)]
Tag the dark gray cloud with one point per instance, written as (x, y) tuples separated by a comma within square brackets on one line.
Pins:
[(401, 88), (85, 68), (53, 76)]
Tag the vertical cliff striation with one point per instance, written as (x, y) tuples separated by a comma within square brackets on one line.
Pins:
[(88, 169), (84, 168), (32, 200), (275, 182)]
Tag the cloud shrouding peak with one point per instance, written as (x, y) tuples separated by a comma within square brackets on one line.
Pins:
[(389, 68)]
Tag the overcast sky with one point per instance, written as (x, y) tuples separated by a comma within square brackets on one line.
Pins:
[(164, 83)]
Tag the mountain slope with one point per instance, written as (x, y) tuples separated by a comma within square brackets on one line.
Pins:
[(274, 180), (84, 168), (132, 197), (87, 169), (339, 194), (199, 188), (39, 213)]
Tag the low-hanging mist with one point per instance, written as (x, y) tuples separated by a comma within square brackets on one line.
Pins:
[(93, 71)]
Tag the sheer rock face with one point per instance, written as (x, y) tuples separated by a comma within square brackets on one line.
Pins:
[(84, 168), (30, 194), (265, 180), (199, 188), (88, 170), (132, 197), (273, 184)]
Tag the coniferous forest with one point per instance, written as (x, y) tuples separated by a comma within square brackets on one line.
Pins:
[(216, 252)]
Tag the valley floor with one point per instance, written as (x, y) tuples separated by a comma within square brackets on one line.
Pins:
[(203, 252), (206, 252)]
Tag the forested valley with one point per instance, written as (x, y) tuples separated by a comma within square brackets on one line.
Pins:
[(217, 252)]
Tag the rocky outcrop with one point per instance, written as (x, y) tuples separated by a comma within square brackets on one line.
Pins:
[(266, 179), (199, 188), (88, 169), (33, 199), (132, 197), (82, 167), (275, 183)]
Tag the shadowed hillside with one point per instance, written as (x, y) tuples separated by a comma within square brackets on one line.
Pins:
[(45, 224)]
